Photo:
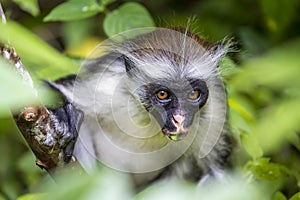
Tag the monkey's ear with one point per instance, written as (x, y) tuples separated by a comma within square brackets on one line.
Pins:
[(218, 46), (219, 50)]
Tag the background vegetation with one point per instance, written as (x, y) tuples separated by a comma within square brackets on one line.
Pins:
[(262, 79)]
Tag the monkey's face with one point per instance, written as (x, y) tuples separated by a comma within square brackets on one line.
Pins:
[(175, 105)]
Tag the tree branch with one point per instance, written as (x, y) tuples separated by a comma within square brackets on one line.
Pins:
[(35, 121)]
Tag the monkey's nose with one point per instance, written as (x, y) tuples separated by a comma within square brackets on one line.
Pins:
[(178, 119)]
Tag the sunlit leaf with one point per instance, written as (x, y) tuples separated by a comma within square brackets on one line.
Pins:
[(37, 196), (278, 69), (83, 49), (102, 184), (251, 145), (295, 196), (51, 63), (74, 10), (162, 191), (128, 16), (30, 6), (235, 105), (278, 124), (264, 169), (279, 196), (235, 188), (73, 35), (13, 92)]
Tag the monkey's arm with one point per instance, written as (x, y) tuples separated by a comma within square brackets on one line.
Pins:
[(51, 134)]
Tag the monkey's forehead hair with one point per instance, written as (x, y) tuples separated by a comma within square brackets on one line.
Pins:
[(176, 52)]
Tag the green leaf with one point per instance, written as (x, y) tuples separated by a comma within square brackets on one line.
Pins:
[(159, 191), (242, 111), (106, 2), (13, 92), (278, 14), (74, 35), (251, 145), (36, 196), (128, 16), (278, 124), (295, 196), (30, 6), (100, 184), (264, 169), (264, 78), (74, 10), (278, 69), (51, 64), (279, 196)]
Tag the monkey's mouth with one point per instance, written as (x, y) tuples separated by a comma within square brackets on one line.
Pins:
[(175, 136)]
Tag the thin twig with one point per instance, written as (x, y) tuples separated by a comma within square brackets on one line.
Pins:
[(3, 19)]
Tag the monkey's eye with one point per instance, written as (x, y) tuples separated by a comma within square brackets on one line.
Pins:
[(162, 95), (194, 95)]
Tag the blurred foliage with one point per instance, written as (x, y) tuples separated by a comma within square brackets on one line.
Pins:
[(17, 94), (42, 55), (261, 77)]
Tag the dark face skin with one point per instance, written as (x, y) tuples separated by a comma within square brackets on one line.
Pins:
[(172, 103), (174, 106)]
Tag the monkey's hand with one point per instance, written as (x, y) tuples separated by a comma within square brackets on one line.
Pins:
[(66, 122)]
